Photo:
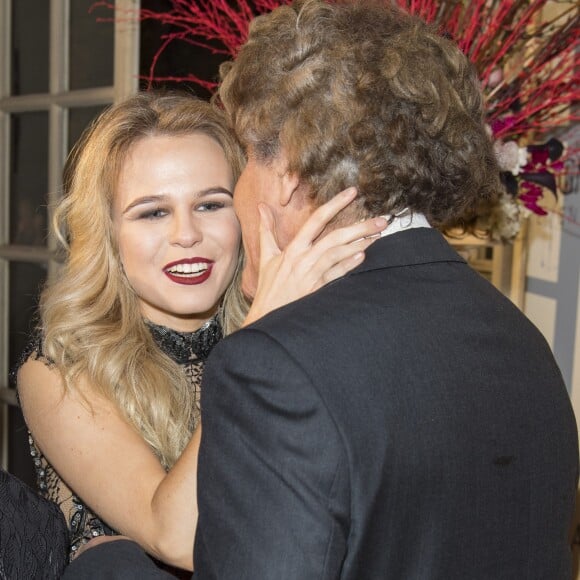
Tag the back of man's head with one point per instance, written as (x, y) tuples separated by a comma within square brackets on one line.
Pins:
[(361, 93)]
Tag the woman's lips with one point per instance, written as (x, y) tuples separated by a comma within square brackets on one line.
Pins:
[(190, 271)]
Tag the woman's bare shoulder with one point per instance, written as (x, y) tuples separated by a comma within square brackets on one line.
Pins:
[(37, 370)]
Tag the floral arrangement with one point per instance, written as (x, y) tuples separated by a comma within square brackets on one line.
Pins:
[(527, 62)]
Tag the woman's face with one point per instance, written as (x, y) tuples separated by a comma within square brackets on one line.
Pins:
[(176, 229)]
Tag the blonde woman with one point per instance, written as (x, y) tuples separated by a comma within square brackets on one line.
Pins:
[(110, 391)]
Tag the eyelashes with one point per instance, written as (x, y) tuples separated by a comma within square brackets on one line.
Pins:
[(152, 214), (211, 206), (160, 212)]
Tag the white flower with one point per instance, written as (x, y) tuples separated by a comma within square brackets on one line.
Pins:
[(510, 156)]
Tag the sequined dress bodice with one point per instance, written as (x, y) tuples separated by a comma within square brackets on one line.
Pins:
[(189, 350)]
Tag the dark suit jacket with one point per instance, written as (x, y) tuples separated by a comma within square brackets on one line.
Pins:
[(405, 422)]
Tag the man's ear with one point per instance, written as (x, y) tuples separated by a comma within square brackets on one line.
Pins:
[(290, 184)]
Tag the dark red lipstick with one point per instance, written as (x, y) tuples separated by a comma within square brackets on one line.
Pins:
[(176, 273)]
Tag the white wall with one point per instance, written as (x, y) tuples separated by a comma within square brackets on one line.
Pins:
[(552, 299)]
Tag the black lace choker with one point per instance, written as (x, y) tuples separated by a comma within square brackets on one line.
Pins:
[(187, 347)]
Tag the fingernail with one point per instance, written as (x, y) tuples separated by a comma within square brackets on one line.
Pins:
[(381, 223), (358, 256), (350, 192)]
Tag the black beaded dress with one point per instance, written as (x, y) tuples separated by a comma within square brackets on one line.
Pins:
[(189, 350)]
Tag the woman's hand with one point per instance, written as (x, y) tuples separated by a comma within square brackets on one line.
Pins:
[(308, 263)]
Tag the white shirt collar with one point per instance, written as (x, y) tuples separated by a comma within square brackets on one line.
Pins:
[(404, 220)]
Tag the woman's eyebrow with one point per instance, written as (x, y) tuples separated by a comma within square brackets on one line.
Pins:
[(217, 189), (146, 199)]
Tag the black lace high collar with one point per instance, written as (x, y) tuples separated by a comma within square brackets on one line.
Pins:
[(186, 347)]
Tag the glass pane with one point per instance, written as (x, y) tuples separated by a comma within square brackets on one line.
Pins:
[(91, 46), (28, 178), (26, 279), (19, 459), (78, 120), (30, 46)]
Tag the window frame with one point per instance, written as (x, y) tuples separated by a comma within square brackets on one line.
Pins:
[(56, 102)]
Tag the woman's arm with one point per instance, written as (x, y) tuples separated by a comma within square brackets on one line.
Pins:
[(109, 465)]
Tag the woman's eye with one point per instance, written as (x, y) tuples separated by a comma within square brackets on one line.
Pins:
[(153, 214), (210, 206)]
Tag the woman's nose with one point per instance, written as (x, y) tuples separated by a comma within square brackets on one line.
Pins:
[(185, 231)]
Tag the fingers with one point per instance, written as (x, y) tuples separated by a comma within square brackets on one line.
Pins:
[(341, 242), (366, 229), (336, 262), (342, 268), (321, 217)]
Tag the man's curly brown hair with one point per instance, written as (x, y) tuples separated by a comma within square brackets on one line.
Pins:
[(364, 94)]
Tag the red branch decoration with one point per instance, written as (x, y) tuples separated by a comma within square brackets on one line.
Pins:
[(528, 65), (218, 26)]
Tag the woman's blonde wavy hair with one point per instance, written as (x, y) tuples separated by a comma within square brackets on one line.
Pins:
[(92, 325)]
